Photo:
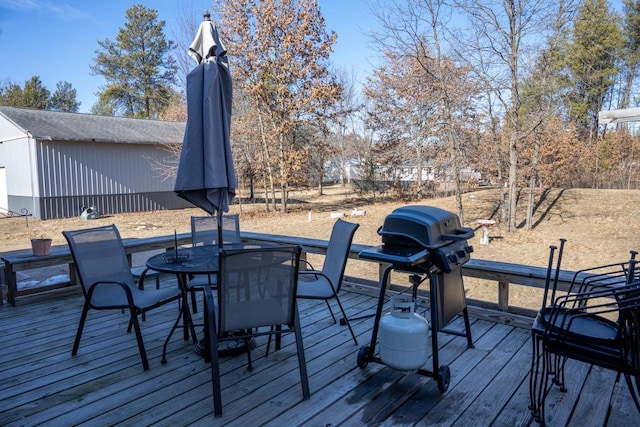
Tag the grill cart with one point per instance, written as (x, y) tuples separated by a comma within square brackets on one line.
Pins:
[(427, 243)]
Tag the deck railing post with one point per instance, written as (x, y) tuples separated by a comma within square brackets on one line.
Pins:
[(503, 296)]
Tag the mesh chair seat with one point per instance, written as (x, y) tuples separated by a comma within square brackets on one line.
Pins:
[(142, 272), (314, 285), (107, 282)]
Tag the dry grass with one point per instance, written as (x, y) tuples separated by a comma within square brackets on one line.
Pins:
[(600, 226)]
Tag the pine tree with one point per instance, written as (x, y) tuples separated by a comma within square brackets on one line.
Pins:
[(35, 94), (591, 59), (137, 66), (64, 98)]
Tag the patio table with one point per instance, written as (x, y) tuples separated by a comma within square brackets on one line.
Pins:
[(190, 261)]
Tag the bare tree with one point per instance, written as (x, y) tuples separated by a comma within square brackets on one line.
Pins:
[(280, 52), (415, 28), (505, 34)]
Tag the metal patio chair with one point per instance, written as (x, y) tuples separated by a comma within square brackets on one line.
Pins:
[(204, 231), (268, 280), (325, 284), (107, 282), (596, 321)]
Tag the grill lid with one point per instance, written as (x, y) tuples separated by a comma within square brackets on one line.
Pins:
[(422, 226)]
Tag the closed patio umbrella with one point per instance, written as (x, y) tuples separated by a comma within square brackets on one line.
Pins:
[(206, 176)]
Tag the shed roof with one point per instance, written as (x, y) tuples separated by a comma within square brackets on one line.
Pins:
[(59, 126)]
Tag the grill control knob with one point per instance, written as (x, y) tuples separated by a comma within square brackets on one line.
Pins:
[(462, 253), (453, 258)]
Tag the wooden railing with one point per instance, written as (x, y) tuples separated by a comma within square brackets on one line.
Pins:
[(503, 274), (22, 260)]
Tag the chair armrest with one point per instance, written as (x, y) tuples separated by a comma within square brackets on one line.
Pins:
[(308, 264), (124, 286), (317, 273)]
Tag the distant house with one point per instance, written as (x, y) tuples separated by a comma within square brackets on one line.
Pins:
[(52, 164)]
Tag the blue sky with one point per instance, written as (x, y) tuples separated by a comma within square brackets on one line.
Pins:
[(57, 39)]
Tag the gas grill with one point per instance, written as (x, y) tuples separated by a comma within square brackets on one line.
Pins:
[(427, 243)]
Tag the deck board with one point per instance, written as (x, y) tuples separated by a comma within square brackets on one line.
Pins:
[(106, 385)]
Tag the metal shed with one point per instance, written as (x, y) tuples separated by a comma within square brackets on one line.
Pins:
[(52, 164)]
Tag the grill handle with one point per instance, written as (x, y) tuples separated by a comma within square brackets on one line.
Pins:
[(464, 233)]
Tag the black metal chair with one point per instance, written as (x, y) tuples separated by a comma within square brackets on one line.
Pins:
[(596, 321), (204, 231), (268, 280), (107, 282), (325, 284)]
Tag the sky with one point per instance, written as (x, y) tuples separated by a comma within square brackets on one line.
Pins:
[(57, 39)]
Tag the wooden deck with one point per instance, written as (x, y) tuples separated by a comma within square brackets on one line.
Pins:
[(106, 385)]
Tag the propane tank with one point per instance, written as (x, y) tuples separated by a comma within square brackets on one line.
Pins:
[(403, 336)]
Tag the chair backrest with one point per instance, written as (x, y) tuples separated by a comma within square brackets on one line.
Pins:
[(257, 287), (99, 255), (204, 230), (335, 260)]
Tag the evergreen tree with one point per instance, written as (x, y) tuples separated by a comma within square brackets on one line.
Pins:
[(35, 94), (64, 98), (11, 95), (591, 59), (631, 52), (137, 66)]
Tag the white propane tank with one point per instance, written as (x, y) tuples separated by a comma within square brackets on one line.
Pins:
[(404, 335)]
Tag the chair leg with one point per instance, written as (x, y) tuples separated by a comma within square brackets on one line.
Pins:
[(215, 370), (543, 387), (302, 364), (533, 376), (136, 327), (249, 365), (346, 320), (330, 310), (268, 343), (194, 307), (83, 318)]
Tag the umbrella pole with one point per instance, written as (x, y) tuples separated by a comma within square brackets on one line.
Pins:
[(219, 221)]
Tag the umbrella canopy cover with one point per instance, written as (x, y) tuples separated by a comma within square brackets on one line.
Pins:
[(206, 176)]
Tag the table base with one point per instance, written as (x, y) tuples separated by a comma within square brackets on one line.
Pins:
[(229, 348)]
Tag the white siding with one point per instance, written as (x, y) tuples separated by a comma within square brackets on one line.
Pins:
[(14, 156)]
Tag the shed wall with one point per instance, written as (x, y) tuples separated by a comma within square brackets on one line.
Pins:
[(115, 178)]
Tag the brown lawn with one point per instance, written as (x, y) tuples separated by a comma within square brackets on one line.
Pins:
[(600, 226)]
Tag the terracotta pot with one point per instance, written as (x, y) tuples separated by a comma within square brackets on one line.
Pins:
[(41, 247)]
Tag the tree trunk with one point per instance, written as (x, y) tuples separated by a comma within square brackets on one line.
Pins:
[(283, 173), (513, 181), (267, 162), (532, 183)]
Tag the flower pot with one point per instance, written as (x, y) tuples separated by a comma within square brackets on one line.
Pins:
[(41, 247)]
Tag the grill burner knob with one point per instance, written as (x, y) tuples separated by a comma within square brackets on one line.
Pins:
[(462, 253), (453, 258)]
